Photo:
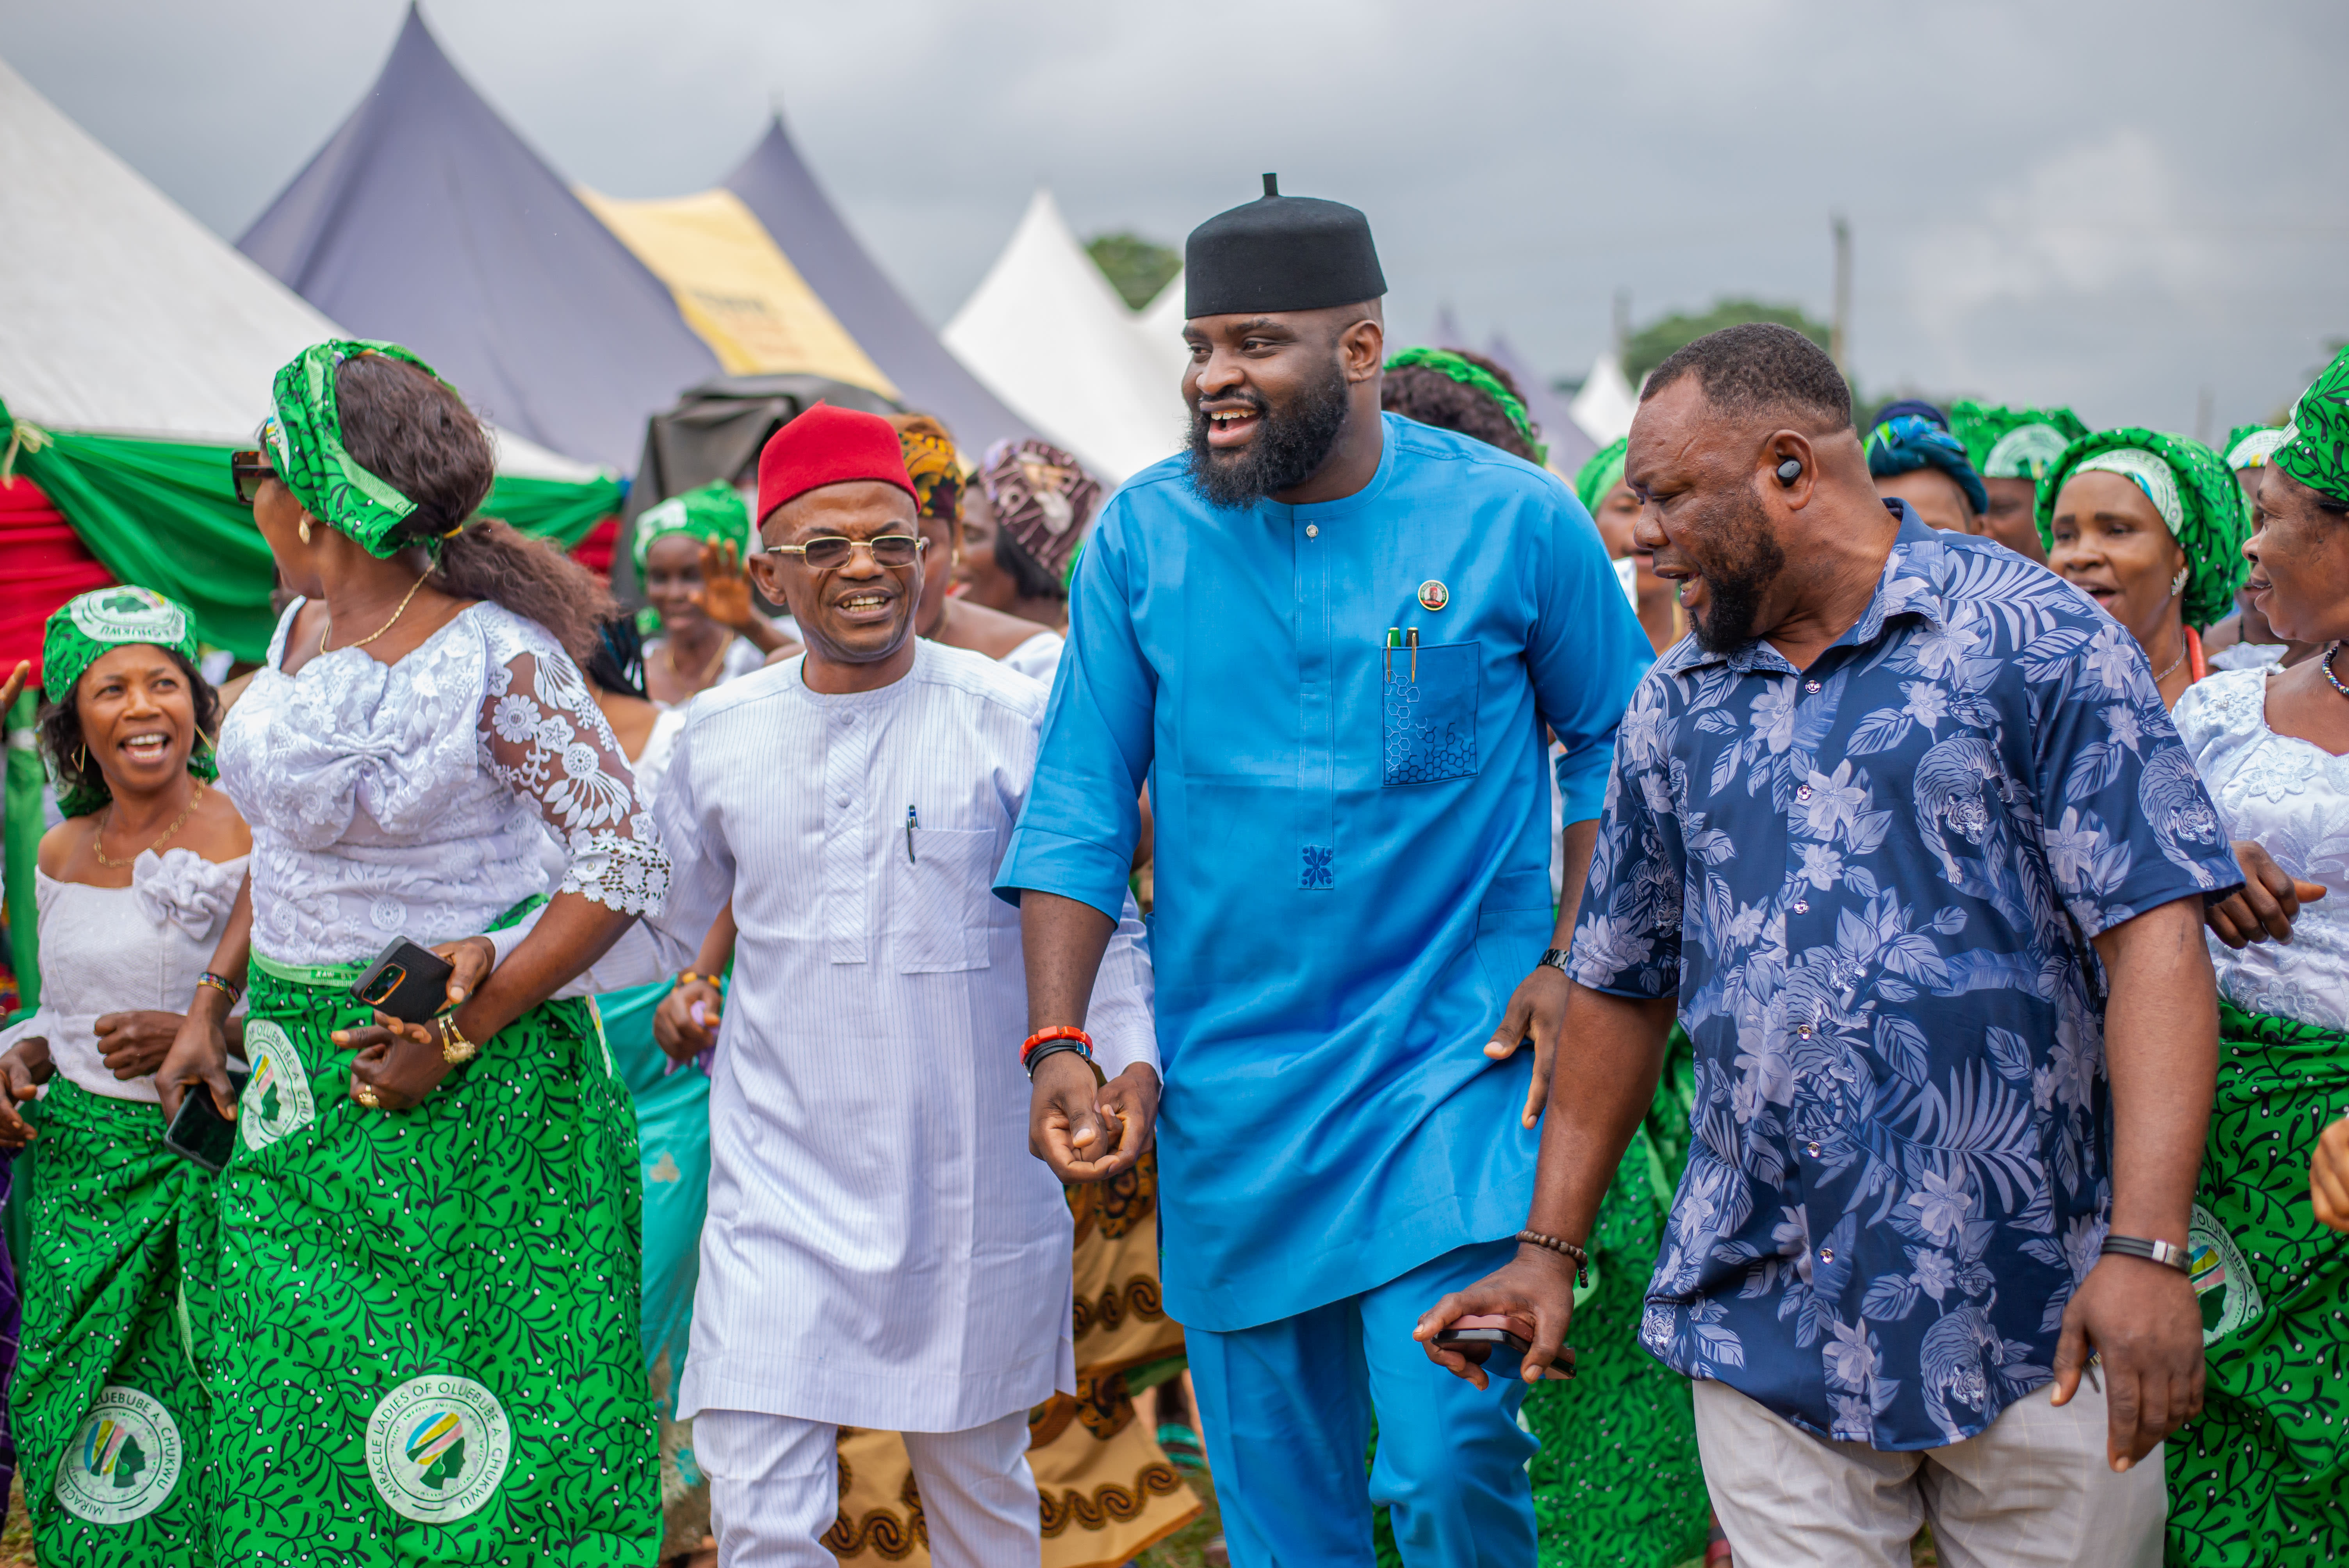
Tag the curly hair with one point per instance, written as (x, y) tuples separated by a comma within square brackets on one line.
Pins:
[(417, 435), (1427, 395), (75, 772)]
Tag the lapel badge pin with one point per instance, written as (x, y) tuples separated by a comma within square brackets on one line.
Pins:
[(1433, 595)]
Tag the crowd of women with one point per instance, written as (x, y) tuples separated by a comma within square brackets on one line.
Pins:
[(456, 733)]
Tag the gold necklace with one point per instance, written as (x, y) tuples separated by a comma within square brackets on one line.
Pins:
[(707, 670), (328, 629), (97, 840)]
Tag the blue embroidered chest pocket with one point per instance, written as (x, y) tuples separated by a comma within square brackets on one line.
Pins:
[(1429, 716)]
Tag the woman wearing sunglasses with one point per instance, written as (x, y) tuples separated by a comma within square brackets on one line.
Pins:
[(430, 1352)]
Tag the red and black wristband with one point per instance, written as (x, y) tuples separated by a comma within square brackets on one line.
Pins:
[(1051, 1042)]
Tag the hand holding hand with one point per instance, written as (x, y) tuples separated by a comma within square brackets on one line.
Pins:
[(135, 1044), (1087, 1132), (22, 1070), (2141, 1318), (1535, 1290), (685, 1023), (2266, 905), (1536, 1009)]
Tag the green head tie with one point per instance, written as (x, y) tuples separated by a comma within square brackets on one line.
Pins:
[(1602, 473), (2192, 489), (1445, 362), (305, 441), (2005, 443), (713, 513), (2315, 450), (82, 632)]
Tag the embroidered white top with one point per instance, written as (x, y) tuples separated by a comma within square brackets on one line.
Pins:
[(123, 950), (2292, 797), (881, 1249), (412, 798)]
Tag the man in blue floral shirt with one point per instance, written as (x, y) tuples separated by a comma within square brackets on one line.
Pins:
[(1905, 836)]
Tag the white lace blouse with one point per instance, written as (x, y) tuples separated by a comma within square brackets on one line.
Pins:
[(2292, 797), (412, 798), (123, 950)]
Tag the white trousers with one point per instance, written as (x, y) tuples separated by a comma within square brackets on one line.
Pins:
[(2032, 1490), (774, 1489)]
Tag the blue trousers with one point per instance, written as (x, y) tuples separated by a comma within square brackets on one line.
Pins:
[(1287, 1409)]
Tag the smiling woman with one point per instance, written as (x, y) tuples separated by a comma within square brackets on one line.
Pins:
[(131, 888), (2151, 526)]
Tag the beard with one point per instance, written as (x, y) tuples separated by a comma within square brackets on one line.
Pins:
[(1291, 444), (1746, 562)]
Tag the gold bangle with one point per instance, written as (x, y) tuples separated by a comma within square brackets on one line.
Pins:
[(455, 1048)]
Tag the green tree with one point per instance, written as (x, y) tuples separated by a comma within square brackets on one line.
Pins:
[(1137, 268), (1658, 340)]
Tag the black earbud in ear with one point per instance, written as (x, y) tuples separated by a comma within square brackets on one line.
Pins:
[(1790, 470)]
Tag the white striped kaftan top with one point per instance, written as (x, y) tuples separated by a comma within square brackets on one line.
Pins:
[(881, 1249)]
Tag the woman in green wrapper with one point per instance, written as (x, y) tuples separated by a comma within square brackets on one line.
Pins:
[(2258, 1477), (133, 889), (429, 1353)]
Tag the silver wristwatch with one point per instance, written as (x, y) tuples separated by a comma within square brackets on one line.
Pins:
[(1556, 958)]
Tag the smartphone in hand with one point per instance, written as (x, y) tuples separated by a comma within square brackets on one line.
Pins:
[(1489, 1342), (408, 982), (200, 1133)]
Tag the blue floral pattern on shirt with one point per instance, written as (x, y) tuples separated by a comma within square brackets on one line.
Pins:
[(1872, 885)]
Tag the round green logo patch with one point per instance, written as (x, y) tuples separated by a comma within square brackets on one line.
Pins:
[(437, 1447), (2221, 1283), (276, 1098), (125, 615), (123, 1460)]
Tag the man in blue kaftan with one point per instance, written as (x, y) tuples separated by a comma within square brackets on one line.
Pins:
[(1334, 644)]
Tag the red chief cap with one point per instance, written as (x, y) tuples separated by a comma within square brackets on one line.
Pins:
[(829, 446)]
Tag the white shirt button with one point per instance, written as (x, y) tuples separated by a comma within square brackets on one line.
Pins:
[(1810, 686), (1814, 1149), (1802, 792), (1826, 1254), (1803, 1031), (1312, 531), (1802, 907)]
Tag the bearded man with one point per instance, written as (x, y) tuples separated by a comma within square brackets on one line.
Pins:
[(1329, 641), (1864, 829)]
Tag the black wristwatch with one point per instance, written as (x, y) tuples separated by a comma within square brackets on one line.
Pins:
[(1556, 958), (2168, 1252)]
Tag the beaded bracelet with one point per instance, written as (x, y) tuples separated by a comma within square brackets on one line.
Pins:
[(689, 976), (222, 984), (1567, 1250)]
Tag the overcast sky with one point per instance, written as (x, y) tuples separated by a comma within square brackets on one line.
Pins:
[(2116, 205)]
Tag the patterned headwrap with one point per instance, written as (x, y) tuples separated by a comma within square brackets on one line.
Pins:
[(305, 441), (2005, 443), (1602, 473), (2250, 446), (82, 633), (2316, 447), (2190, 486), (713, 513), (1469, 373), (931, 463), (1912, 436), (1042, 497)]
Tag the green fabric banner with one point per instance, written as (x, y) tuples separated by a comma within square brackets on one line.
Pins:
[(161, 514)]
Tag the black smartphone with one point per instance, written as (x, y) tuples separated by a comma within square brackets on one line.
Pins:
[(1477, 1339), (404, 980), (200, 1132)]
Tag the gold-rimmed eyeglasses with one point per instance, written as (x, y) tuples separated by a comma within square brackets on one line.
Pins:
[(831, 552)]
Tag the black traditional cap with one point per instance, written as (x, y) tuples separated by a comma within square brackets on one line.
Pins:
[(1280, 253)]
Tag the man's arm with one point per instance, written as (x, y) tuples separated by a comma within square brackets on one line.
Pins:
[(2161, 1053), (1063, 940), (1597, 1096), (1537, 1007)]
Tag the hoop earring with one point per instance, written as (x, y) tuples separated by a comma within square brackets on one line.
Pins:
[(303, 527), (2178, 584)]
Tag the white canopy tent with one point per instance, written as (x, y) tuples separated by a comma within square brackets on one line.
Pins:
[(1046, 333), (127, 316), (1608, 400)]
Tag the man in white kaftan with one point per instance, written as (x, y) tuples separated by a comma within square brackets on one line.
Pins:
[(881, 1249)]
